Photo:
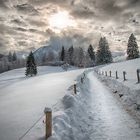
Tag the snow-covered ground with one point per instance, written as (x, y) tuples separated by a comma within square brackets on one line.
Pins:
[(127, 91), (92, 114), (22, 100), (130, 67)]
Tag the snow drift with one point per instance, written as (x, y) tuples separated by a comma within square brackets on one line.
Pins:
[(68, 123)]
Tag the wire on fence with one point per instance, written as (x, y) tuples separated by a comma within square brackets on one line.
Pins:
[(27, 131)]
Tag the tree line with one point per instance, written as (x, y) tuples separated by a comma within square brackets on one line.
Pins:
[(80, 58), (11, 61), (103, 54), (75, 56)]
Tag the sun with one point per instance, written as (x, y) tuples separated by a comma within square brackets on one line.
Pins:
[(61, 20)]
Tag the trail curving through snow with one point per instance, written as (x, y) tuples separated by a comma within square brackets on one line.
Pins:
[(109, 119)]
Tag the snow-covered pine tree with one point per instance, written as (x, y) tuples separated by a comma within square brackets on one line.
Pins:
[(31, 68), (87, 62), (80, 57), (62, 55), (14, 57), (10, 57), (132, 48), (91, 53), (103, 54), (70, 55)]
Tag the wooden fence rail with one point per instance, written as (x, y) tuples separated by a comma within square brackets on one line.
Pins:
[(116, 74)]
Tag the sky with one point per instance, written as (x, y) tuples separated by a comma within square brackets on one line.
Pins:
[(29, 24)]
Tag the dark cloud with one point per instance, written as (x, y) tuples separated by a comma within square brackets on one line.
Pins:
[(2, 3), (22, 43), (27, 9), (82, 12), (36, 22), (18, 22), (57, 2), (20, 29)]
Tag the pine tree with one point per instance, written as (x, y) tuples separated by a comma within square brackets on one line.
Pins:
[(31, 68), (14, 57), (10, 57), (70, 53), (91, 53), (103, 54), (132, 49), (62, 55), (80, 57)]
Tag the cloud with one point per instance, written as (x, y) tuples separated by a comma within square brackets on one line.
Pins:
[(24, 23), (2, 3), (27, 9)]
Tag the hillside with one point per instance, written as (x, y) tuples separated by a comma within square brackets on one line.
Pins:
[(22, 100), (128, 92), (130, 67), (44, 52)]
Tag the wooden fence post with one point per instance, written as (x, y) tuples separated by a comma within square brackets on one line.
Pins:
[(48, 127), (117, 75), (110, 73), (105, 73), (138, 75), (74, 88), (124, 75)]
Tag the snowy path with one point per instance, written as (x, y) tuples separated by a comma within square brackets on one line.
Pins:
[(22, 101), (109, 119)]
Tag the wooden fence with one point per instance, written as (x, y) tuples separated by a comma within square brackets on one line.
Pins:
[(124, 74)]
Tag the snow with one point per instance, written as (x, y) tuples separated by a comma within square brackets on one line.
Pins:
[(22, 100), (130, 67), (92, 114), (47, 110), (128, 92)]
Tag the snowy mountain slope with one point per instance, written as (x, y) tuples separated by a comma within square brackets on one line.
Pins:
[(22, 100), (128, 92), (44, 51)]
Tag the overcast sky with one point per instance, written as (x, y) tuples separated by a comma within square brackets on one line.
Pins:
[(27, 24)]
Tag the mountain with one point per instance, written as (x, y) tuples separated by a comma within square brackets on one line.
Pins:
[(44, 51)]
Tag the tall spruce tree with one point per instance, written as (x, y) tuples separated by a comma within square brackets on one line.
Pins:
[(70, 53), (80, 57), (132, 49), (91, 53), (31, 68), (10, 57), (14, 57), (103, 54), (62, 55)]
